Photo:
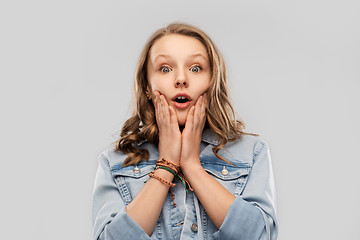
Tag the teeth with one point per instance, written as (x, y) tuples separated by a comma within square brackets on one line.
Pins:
[(181, 99)]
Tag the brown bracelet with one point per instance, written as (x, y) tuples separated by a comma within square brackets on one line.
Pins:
[(152, 174), (161, 164), (169, 166), (167, 163)]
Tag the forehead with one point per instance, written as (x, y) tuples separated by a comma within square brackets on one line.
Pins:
[(176, 45)]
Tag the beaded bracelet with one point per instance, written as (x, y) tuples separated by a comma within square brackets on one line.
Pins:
[(176, 171), (172, 167), (152, 174), (160, 164), (185, 182), (168, 163), (167, 169)]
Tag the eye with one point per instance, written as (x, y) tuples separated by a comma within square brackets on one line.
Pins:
[(165, 69), (196, 68)]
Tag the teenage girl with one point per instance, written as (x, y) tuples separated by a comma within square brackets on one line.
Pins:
[(183, 168)]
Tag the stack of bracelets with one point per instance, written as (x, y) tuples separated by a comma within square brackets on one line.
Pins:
[(175, 170)]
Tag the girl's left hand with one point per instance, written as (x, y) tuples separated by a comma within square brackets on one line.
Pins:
[(191, 134)]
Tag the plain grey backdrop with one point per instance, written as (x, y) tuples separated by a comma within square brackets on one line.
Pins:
[(66, 70)]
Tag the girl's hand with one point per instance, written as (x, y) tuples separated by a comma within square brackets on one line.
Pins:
[(169, 133), (191, 135)]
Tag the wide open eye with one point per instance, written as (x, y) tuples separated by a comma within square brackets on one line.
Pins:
[(195, 69), (165, 69)]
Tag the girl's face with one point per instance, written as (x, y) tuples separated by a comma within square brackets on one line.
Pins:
[(178, 66)]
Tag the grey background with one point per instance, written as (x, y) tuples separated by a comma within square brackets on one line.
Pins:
[(66, 79)]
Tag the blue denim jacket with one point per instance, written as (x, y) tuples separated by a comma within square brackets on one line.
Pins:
[(251, 216)]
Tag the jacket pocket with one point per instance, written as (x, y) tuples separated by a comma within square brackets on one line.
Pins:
[(131, 179), (233, 178)]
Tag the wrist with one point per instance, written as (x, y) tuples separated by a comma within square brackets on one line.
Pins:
[(164, 174), (191, 167), (168, 157)]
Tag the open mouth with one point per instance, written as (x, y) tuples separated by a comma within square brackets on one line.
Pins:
[(181, 99)]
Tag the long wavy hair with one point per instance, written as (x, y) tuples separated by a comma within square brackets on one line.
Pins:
[(220, 115)]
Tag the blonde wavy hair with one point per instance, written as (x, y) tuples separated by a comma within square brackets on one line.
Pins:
[(220, 115)]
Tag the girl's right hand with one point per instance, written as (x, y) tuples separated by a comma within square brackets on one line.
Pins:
[(169, 132)]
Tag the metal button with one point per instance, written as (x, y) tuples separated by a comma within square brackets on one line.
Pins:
[(224, 171), (136, 169), (194, 227)]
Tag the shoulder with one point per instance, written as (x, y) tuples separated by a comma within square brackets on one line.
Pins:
[(251, 143), (112, 157), (245, 149)]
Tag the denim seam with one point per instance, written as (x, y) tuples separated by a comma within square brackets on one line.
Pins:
[(169, 208), (240, 185), (258, 150), (204, 218), (159, 233), (124, 191)]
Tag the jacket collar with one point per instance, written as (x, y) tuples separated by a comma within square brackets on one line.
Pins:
[(208, 136)]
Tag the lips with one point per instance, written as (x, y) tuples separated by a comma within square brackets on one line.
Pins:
[(181, 100), (180, 96)]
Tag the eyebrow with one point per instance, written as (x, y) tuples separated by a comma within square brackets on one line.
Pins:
[(192, 55)]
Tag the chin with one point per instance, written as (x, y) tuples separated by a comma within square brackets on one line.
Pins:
[(181, 117), (181, 120), (181, 123)]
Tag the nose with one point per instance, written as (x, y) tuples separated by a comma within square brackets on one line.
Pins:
[(181, 80), (181, 83)]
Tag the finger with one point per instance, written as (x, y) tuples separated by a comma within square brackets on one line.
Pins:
[(189, 124), (205, 100), (203, 105), (159, 108), (165, 109), (155, 104), (173, 117), (197, 114), (203, 110)]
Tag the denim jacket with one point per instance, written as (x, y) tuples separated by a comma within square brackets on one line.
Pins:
[(251, 216)]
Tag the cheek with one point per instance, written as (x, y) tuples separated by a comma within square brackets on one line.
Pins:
[(162, 84), (203, 85), (153, 80), (204, 81), (157, 87), (153, 85)]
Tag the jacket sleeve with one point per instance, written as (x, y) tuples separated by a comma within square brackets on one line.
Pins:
[(252, 216), (109, 217)]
